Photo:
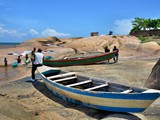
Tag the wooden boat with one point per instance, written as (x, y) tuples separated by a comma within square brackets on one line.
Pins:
[(97, 93), (79, 61)]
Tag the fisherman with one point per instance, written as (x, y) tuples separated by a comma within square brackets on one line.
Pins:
[(106, 49), (38, 61), (116, 54)]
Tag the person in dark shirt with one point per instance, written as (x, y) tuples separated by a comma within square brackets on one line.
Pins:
[(106, 49), (5, 62), (19, 59), (116, 54)]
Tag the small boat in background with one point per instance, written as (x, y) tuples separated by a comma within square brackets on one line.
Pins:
[(97, 93), (80, 61)]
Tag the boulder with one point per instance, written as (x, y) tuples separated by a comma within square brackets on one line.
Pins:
[(149, 47), (153, 80)]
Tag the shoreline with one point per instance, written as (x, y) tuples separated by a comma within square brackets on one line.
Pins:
[(12, 74)]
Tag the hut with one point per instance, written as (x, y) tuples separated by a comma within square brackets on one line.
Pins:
[(94, 33)]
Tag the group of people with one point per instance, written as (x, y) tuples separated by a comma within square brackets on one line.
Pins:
[(115, 49), (36, 60)]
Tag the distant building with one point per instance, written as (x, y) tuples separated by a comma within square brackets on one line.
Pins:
[(94, 33)]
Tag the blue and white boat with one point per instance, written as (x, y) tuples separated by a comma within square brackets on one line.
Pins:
[(97, 93)]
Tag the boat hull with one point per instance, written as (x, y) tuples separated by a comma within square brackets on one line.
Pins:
[(110, 101), (112, 98), (79, 61)]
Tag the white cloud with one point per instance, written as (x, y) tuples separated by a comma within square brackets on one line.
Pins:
[(122, 26), (11, 33), (52, 32), (33, 32)]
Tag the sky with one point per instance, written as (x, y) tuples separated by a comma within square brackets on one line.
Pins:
[(21, 20)]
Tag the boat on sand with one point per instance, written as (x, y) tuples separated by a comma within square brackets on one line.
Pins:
[(97, 93), (79, 60)]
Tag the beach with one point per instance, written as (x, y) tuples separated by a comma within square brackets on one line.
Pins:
[(23, 100), (32, 100)]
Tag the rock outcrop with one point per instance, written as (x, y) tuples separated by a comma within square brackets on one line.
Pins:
[(39, 42), (149, 47), (153, 80)]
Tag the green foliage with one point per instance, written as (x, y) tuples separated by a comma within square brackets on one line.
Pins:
[(143, 24), (114, 36), (154, 39), (144, 39)]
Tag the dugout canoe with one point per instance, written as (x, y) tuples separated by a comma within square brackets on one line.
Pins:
[(79, 61), (97, 93)]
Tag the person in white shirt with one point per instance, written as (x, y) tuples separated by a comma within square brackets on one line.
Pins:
[(38, 61)]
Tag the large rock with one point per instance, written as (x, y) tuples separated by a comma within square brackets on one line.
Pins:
[(153, 80), (39, 42), (149, 47), (98, 42)]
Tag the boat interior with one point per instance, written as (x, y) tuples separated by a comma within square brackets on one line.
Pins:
[(71, 79)]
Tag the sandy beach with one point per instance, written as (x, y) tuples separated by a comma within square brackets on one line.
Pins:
[(33, 101), (22, 100)]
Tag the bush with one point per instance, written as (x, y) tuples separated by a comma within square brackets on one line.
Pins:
[(143, 39), (114, 36)]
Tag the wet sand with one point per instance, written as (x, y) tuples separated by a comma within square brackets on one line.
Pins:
[(22, 100), (11, 74)]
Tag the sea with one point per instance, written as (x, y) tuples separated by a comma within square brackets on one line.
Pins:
[(7, 45)]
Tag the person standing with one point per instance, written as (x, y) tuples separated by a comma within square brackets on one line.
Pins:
[(116, 54), (106, 49), (5, 62), (38, 61), (32, 55)]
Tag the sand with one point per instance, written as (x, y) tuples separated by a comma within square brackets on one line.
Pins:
[(22, 100), (33, 101)]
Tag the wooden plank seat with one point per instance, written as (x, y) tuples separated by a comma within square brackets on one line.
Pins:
[(96, 87), (127, 91), (61, 75), (65, 79), (79, 83)]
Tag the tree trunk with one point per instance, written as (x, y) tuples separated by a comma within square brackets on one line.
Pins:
[(153, 80)]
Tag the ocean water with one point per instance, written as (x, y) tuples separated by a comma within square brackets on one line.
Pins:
[(7, 45)]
